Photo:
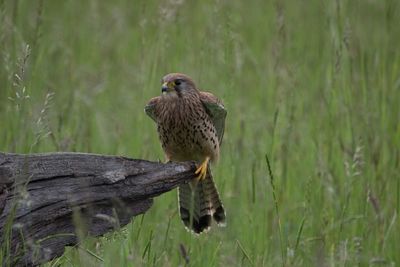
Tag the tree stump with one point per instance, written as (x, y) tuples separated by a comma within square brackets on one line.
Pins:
[(45, 197)]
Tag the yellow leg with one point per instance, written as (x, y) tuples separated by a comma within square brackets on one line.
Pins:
[(202, 169)]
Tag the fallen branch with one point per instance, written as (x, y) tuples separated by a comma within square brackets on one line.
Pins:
[(44, 197)]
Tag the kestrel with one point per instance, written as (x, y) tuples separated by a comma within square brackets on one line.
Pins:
[(190, 125)]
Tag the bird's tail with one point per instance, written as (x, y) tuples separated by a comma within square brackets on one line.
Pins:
[(201, 200)]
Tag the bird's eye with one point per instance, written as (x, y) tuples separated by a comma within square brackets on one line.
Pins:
[(178, 82)]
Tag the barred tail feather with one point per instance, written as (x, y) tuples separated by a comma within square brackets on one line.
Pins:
[(203, 200)]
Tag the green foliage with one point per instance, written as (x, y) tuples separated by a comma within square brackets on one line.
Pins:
[(314, 85)]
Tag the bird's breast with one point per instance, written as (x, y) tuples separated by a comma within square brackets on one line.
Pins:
[(187, 133)]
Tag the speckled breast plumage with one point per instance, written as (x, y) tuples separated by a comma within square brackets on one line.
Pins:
[(186, 130)]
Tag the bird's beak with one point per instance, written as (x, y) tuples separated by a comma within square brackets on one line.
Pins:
[(167, 87)]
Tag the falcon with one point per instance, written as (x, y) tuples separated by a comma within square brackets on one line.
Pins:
[(190, 125)]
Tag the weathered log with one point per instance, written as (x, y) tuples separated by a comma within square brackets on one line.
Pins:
[(46, 199)]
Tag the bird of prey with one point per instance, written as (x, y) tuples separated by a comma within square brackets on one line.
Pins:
[(190, 125)]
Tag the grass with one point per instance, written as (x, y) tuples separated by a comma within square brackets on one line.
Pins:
[(315, 85)]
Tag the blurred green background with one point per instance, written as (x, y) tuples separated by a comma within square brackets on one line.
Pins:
[(314, 85)]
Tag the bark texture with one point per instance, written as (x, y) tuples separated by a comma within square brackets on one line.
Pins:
[(47, 201)]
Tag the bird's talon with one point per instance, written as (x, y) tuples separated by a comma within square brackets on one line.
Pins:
[(202, 170)]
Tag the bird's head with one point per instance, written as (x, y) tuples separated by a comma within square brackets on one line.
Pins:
[(177, 85)]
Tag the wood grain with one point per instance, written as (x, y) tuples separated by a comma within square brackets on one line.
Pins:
[(46, 199)]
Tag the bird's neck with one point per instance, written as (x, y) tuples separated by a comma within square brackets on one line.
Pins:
[(177, 104), (182, 98)]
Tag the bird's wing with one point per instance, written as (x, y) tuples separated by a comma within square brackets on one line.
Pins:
[(216, 111), (150, 108)]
